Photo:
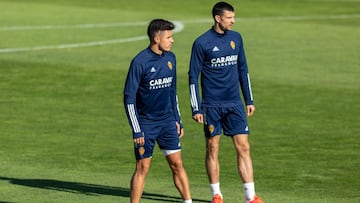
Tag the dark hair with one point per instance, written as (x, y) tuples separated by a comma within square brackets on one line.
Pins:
[(220, 7), (157, 25)]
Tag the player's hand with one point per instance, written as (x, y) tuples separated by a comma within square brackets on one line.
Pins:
[(140, 141), (198, 117), (250, 110), (179, 130)]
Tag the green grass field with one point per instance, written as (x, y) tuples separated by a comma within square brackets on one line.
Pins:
[(64, 136)]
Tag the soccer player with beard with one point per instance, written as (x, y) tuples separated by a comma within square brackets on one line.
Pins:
[(152, 109), (218, 57)]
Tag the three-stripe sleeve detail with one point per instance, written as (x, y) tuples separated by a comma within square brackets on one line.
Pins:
[(193, 99), (251, 95), (133, 119)]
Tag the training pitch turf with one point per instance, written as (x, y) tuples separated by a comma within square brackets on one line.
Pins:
[(64, 136)]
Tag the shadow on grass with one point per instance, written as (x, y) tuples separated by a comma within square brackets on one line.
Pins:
[(89, 189)]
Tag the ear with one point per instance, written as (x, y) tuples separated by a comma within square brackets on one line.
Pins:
[(218, 18), (157, 38)]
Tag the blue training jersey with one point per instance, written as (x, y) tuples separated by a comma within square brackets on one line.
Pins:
[(220, 61), (150, 90)]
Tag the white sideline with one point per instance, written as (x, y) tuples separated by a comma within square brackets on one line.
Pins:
[(179, 26)]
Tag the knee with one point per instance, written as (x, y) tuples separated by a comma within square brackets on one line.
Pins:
[(244, 148), (212, 149), (212, 146), (175, 162), (177, 166), (142, 169)]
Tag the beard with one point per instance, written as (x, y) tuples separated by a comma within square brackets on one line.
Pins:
[(164, 49), (223, 28)]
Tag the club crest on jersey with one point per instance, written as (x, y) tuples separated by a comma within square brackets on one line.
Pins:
[(170, 65), (232, 44)]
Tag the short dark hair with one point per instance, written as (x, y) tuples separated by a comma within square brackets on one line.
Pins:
[(157, 25), (220, 7)]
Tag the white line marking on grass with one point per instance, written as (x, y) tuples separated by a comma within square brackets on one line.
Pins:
[(282, 18), (179, 27), (294, 18), (77, 45), (77, 26)]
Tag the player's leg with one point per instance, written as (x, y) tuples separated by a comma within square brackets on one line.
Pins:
[(213, 167), (138, 179), (169, 142), (244, 162), (211, 159), (143, 156), (245, 167), (236, 126), (213, 130), (179, 174)]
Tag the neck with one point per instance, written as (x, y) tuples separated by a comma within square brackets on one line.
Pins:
[(218, 28), (156, 49)]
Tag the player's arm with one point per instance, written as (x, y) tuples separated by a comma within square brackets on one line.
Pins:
[(175, 104), (130, 90), (244, 79), (196, 60)]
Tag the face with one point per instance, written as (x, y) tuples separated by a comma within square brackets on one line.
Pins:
[(164, 40), (226, 21)]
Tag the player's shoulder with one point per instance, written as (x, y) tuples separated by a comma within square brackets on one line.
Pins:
[(170, 54), (141, 57), (171, 59), (204, 38), (233, 33), (234, 36), (142, 53)]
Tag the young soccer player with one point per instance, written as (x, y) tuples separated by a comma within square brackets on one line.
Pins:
[(152, 109)]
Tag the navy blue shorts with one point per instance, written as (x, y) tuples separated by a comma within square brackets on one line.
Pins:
[(164, 133), (231, 120)]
